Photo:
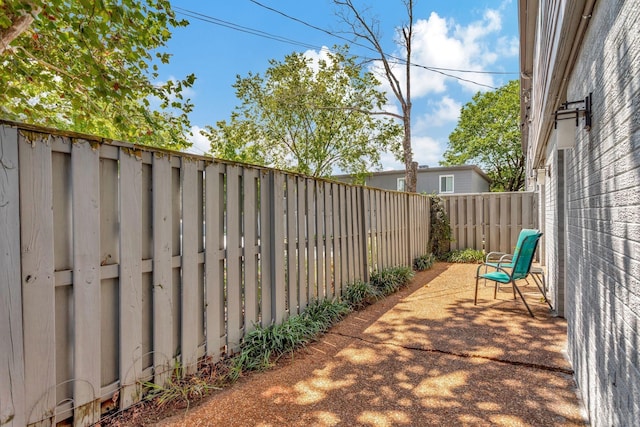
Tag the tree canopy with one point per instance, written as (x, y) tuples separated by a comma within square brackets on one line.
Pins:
[(488, 135), (308, 117), (92, 66)]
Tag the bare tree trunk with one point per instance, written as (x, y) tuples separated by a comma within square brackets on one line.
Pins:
[(366, 29)]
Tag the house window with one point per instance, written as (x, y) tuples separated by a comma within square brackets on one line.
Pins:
[(446, 183), (400, 184)]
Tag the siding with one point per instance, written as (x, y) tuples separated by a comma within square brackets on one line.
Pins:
[(603, 213), (466, 180)]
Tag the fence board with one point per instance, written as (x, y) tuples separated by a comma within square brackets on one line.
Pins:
[(303, 259), (344, 267), (213, 261), (267, 201), (12, 410), (234, 274), (37, 278), (162, 274), (250, 249), (130, 278), (277, 249), (292, 237), (85, 168), (348, 235), (320, 241), (189, 261), (328, 241), (312, 256)]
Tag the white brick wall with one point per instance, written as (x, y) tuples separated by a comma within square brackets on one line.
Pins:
[(603, 217)]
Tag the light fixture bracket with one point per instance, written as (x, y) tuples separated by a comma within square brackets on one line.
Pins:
[(573, 110)]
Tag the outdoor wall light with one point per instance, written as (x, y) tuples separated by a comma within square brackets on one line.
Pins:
[(565, 117)]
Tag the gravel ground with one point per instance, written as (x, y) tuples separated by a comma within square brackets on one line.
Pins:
[(424, 356)]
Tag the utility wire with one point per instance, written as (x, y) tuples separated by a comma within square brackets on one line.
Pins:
[(215, 21), (369, 47)]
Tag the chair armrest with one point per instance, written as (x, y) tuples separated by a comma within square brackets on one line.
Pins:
[(499, 256)]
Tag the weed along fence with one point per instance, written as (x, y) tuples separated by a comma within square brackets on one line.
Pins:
[(120, 262), (490, 221)]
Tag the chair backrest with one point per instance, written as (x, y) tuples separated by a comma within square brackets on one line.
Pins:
[(523, 260), (523, 233)]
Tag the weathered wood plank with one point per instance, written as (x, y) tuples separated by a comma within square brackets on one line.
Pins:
[(190, 281), (214, 247), (303, 259), (348, 234), (335, 233), (267, 219), (292, 237), (504, 224), (320, 241), (250, 210), (328, 242), (85, 166), (312, 256), (12, 409), (130, 278), (109, 260), (234, 274), (162, 274), (344, 254), (278, 283)]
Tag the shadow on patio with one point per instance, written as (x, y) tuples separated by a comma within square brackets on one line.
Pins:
[(424, 356)]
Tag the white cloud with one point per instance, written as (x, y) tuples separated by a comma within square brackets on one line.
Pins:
[(201, 144), (317, 56), (447, 110), (443, 43), (426, 150)]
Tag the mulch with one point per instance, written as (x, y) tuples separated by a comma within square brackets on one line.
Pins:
[(423, 356)]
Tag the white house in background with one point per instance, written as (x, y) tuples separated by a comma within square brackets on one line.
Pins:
[(580, 100), (431, 180)]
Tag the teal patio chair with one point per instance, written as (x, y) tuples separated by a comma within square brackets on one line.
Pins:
[(519, 268)]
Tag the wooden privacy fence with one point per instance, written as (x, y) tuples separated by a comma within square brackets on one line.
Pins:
[(120, 262), (490, 221)]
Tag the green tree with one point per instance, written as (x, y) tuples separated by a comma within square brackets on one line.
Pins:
[(308, 118), (488, 135), (90, 66)]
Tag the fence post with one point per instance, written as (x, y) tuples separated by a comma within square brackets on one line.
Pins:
[(12, 410), (408, 227)]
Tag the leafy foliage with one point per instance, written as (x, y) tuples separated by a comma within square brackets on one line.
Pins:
[(440, 236), (488, 134), (262, 345), (308, 118), (424, 262), (360, 294), (390, 280), (92, 67), (465, 256)]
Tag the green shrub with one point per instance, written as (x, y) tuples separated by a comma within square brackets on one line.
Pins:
[(359, 294), (424, 262), (262, 345), (440, 234), (390, 280), (465, 256)]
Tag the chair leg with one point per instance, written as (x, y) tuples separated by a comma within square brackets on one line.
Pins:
[(542, 288), (516, 288), (475, 297)]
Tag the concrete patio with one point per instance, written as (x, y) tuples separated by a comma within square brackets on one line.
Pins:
[(424, 356)]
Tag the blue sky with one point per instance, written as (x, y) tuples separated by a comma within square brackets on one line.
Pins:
[(478, 35)]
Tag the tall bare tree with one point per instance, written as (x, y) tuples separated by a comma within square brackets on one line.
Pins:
[(366, 29)]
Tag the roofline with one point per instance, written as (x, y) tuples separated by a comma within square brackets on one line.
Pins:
[(424, 170)]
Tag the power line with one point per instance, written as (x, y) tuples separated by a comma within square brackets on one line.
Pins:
[(369, 47), (216, 21)]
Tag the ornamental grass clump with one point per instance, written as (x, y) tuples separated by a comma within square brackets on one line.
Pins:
[(360, 294), (390, 280), (468, 255), (424, 262), (263, 346)]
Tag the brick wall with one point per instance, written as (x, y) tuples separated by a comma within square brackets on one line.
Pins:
[(603, 218)]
